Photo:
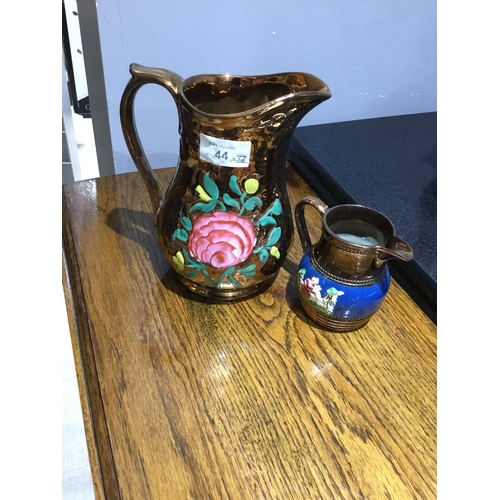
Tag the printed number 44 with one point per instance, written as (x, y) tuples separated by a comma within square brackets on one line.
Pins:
[(222, 156)]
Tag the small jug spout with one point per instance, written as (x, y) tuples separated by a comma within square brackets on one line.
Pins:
[(395, 248)]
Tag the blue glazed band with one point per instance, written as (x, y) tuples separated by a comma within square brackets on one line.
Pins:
[(336, 299)]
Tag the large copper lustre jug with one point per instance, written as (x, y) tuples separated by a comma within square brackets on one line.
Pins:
[(224, 223)]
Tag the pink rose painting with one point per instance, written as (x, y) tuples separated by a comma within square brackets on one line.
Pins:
[(221, 239)]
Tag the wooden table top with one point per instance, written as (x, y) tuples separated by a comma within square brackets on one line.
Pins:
[(187, 398)]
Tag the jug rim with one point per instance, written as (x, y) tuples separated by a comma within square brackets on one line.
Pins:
[(353, 211), (320, 91)]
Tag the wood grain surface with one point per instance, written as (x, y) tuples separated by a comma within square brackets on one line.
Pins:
[(187, 398)]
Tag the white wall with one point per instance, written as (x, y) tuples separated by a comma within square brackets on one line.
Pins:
[(377, 56)]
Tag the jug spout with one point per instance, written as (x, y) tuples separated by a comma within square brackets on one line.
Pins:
[(309, 87), (300, 93), (395, 248)]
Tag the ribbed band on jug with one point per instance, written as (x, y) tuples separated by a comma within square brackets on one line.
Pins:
[(345, 264)]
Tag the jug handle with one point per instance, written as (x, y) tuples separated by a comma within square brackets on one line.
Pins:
[(395, 248), (140, 76), (300, 219)]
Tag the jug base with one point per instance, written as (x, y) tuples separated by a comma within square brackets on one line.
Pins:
[(226, 294), (331, 322)]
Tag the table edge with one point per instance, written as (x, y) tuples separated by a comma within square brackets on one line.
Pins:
[(99, 450)]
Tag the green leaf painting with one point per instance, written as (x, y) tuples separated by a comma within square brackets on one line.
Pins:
[(233, 184), (210, 186), (180, 234), (230, 201), (186, 222), (253, 202), (274, 237)]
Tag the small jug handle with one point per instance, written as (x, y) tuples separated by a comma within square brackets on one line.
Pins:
[(140, 76), (300, 219)]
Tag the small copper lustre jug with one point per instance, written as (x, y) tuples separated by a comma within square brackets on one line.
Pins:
[(344, 277)]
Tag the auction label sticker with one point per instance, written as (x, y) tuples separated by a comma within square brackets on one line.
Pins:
[(225, 153)]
